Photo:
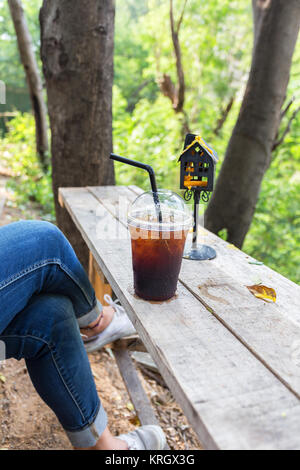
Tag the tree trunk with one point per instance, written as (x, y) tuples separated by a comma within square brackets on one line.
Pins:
[(258, 9), (33, 78), (249, 150), (77, 42)]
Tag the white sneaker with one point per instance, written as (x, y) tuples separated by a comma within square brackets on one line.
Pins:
[(148, 437), (119, 327)]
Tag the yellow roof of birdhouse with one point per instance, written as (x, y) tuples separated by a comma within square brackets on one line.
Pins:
[(201, 142)]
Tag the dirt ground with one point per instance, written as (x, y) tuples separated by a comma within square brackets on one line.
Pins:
[(27, 423)]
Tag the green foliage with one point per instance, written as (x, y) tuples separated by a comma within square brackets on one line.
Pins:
[(216, 43), (131, 55), (11, 70), (17, 152), (274, 237), (150, 134)]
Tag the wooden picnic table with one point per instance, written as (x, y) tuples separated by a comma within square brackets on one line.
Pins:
[(231, 360)]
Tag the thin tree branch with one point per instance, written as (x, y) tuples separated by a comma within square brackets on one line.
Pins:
[(224, 115), (180, 95), (186, 124), (130, 107), (172, 17), (181, 17), (168, 88), (286, 131), (285, 110), (33, 78), (282, 114)]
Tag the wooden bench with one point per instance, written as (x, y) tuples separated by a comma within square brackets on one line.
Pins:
[(232, 361)]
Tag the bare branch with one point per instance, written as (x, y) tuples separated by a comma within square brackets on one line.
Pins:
[(224, 115), (282, 114), (186, 124), (285, 110), (133, 98), (179, 102), (181, 17), (287, 130), (33, 77), (172, 17)]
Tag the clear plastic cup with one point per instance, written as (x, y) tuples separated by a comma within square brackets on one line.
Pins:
[(157, 246)]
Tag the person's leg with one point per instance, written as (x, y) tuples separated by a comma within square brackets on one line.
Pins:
[(47, 335), (35, 258)]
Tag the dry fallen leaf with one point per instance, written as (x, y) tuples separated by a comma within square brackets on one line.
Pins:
[(2, 378), (263, 292), (135, 420), (232, 247), (129, 406)]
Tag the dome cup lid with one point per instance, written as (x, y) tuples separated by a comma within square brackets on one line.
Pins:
[(143, 212)]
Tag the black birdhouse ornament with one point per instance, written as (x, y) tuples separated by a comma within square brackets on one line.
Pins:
[(197, 169)]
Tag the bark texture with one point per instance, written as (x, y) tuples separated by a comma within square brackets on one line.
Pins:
[(77, 43), (258, 9), (249, 150), (175, 93), (33, 78)]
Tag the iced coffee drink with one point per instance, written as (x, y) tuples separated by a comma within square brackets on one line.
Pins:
[(157, 245)]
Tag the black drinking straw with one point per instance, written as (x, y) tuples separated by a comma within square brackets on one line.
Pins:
[(151, 173)]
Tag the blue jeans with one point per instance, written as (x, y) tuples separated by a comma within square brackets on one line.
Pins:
[(45, 296)]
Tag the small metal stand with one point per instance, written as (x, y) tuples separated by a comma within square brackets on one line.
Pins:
[(194, 251)]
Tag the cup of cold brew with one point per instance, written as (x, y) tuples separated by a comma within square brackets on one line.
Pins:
[(158, 225)]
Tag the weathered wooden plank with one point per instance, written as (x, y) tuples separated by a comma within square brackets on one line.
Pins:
[(263, 327), (116, 201), (131, 343), (238, 264), (145, 359), (104, 227), (231, 399), (140, 401), (270, 330), (134, 387)]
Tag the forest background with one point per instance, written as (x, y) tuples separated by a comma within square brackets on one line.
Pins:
[(216, 39)]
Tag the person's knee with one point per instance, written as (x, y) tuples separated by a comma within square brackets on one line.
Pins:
[(47, 237), (49, 234), (39, 231)]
